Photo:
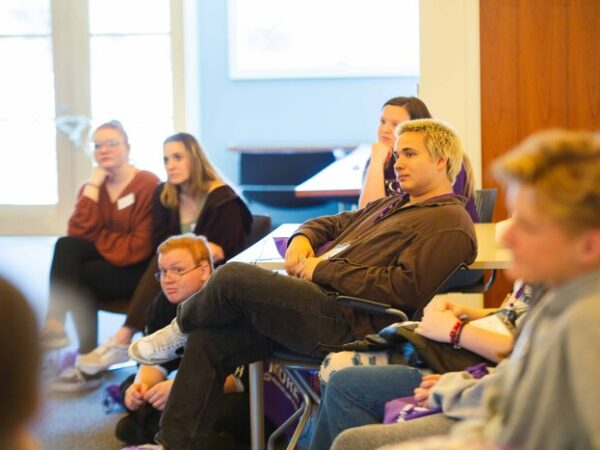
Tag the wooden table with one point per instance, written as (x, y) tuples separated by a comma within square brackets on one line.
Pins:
[(491, 255)]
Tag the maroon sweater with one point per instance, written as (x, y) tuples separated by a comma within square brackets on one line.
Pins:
[(121, 231)]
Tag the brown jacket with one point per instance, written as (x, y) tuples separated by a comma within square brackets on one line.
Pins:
[(398, 259)]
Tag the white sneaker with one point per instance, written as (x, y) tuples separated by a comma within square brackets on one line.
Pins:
[(159, 347), (73, 380), (102, 357)]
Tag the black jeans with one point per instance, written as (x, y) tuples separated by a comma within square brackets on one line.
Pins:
[(141, 299), (80, 279), (231, 429), (240, 316)]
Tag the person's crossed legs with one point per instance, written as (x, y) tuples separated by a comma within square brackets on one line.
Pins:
[(239, 317)]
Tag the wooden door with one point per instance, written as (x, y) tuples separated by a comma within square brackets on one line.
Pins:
[(540, 68)]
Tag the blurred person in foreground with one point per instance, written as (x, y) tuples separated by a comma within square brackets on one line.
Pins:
[(20, 367)]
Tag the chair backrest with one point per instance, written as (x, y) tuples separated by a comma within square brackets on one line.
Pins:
[(261, 226), (485, 201)]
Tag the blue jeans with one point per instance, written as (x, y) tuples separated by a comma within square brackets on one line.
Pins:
[(356, 396), (242, 315)]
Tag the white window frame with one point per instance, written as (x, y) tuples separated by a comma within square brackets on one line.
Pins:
[(71, 45)]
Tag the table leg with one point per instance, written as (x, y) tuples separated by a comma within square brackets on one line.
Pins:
[(257, 427)]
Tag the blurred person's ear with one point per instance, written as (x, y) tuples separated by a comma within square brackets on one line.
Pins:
[(589, 248)]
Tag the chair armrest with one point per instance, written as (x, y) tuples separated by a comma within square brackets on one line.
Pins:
[(371, 307), (382, 309)]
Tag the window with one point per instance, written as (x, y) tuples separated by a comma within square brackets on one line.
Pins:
[(72, 66), (27, 106), (131, 76)]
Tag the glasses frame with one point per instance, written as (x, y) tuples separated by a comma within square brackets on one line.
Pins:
[(111, 143), (176, 275)]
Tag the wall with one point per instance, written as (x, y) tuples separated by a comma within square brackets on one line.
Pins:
[(449, 81), (279, 112)]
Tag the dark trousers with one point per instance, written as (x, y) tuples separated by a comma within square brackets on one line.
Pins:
[(240, 316), (80, 280), (143, 295), (231, 429)]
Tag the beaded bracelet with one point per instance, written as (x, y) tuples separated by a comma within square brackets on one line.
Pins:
[(455, 333), (456, 342)]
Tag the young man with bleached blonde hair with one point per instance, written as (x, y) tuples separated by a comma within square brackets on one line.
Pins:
[(545, 395), (397, 250), (379, 179), (441, 140)]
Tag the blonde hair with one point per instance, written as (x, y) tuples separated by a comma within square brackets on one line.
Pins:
[(442, 141), (469, 182), (196, 245), (202, 173), (563, 169)]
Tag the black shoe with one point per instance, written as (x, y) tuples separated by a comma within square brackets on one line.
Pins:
[(128, 430)]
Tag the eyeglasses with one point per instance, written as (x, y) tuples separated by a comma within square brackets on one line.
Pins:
[(176, 273), (110, 144)]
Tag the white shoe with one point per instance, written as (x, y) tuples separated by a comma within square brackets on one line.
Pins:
[(102, 357), (74, 380), (159, 347)]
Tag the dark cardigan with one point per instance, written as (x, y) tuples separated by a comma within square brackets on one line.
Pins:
[(224, 220)]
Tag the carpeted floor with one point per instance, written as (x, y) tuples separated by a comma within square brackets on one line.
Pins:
[(66, 421), (77, 420)]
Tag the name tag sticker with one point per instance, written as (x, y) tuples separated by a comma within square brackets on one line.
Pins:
[(126, 201)]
